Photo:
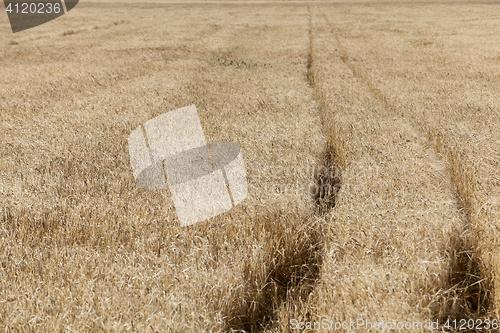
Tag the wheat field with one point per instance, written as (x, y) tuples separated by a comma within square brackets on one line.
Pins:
[(370, 134)]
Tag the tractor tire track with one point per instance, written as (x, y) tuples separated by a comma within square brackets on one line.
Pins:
[(467, 284), (453, 295)]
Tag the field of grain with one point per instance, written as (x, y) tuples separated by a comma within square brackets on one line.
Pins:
[(370, 134)]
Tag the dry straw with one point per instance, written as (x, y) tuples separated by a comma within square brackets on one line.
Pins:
[(401, 100)]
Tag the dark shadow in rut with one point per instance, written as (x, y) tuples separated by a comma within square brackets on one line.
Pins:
[(294, 252)]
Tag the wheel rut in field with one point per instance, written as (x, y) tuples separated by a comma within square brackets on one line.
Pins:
[(281, 287), (284, 289), (467, 293)]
